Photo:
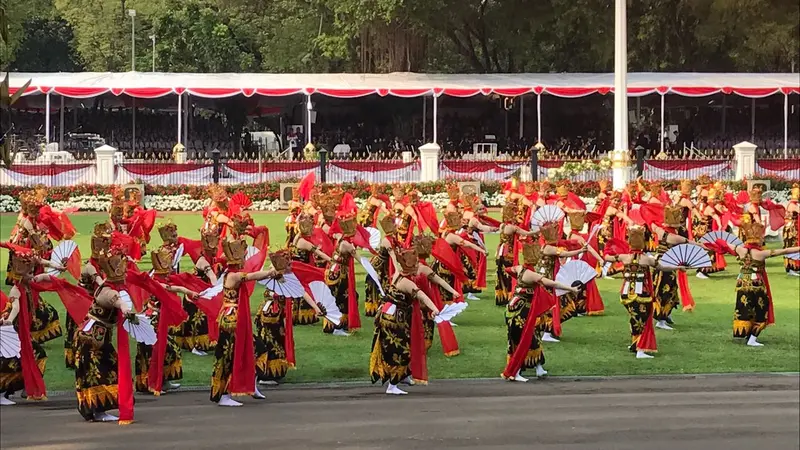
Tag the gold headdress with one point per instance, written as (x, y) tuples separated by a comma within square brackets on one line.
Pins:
[(755, 195), (576, 220), (40, 243), (453, 191), (168, 233), (423, 244), (217, 193), (101, 239), (329, 203), (562, 190), (295, 194), (531, 252), (603, 185), (686, 187), (22, 264), (281, 259), (795, 191), (114, 264), (549, 232), (753, 232), (636, 237), (398, 192), (305, 223), (389, 224), (162, 260), (655, 189), (409, 261), (235, 251), (239, 225), (472, 202), (673, 216), (209, 237), (347, 223), (31, 201), (510, 212), (452, 220)]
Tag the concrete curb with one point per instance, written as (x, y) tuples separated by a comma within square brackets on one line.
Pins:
[(560, 379)]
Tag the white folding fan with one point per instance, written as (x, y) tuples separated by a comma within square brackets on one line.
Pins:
[(9, 342), (793, 256), (686, 255), (450, 311), (374, 237), (60, 255), (176, 259), (574, 273), (545, 214), (286, 286), (322, 295), (372, 273), (250, 252), (213, 290), (712, 237), (141, 332)]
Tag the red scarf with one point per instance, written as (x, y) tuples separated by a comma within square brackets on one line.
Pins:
[(419, 360), (446, 334), (244, 365), (288, 340), (31, 376)]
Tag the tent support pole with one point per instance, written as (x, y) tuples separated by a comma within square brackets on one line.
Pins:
[(424, 117), (786, 126), (521, 115), (538, 117), (180, 118), (663, 138), (752, 119), (61, 125), (133, 124), (435, 118), (47, 119)]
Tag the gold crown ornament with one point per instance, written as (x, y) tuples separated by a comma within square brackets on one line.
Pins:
[(795, 191), (576, 220), (31, 202), (423, 245), (305, 223), (686, 187), (209, 238), (753, 232), (162, 260), (755, 195), (655, 189), (295, 194), (168, 233), (636, 237), (673, 216), (531, 252), (114, 264), (235, 251), (398, 191), (453, 191), (549, 232), (562, 190), (452, 220), (389, 224), (281, 259), (510, 211), (22, 264), (603, 184), (217, 193), (40, 243), (101, 239), (408, 260), (239, 225), (116, 212), (347, 222)]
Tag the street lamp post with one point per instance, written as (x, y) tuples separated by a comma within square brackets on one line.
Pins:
[(153, 38), (132, 14)]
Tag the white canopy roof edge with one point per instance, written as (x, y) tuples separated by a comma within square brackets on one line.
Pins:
[(153, 84)]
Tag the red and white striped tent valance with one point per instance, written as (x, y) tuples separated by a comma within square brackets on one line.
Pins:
[(345, 85)]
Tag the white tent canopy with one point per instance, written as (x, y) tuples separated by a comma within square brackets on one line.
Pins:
[(346, 85)]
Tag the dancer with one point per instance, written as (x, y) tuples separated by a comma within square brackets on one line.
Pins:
[(303, 250), (550, 322), (637, 288), (791, 228), (384, 263), (754, 310), (194, 333), (290, 224), (274, 344), (613, 225), (711, 221), (457, 244), (588, 301), (340, 277), (475, 222), (376, 204), (506, 253), (45, 324), (391, 355), (234, 369), (524, 350)]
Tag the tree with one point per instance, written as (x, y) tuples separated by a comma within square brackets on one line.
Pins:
[(46, 46)]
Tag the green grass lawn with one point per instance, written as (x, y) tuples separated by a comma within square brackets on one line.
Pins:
[(700, 343)]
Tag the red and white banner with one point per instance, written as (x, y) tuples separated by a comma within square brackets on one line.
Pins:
[(478, 170), (679, 170), (48, 174), (164, 174), (784, 168)]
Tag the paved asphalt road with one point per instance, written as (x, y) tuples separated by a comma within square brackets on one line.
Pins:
[(707, 413)]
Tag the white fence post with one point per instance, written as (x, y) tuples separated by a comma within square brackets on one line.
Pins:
[(429, 162), (104, 156), (745, 160)]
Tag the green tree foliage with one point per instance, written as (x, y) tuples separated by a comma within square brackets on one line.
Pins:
[(485, 36)]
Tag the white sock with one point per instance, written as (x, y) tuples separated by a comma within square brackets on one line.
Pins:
[(256, 393), (5, 401), (642, 355), (702, 276), (226, 400), (394, 390), (338, 332), (172, 385), (547, 337), (663, 325), (540, 372), (753, 342), (408, 381), (794, 273), (199, 352), (105, 417), (519, 377)]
